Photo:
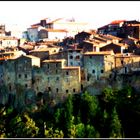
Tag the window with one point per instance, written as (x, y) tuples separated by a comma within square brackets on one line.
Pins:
[(82, 87), (26, 85), (67, 91), (19, 76), (79, 64), (57, 78), (25, 75), (74, 90), (56, 71), (93, 71), (102, 71), (71, 63), (90, 57), (67, 73), (48, 79), (56, 65), (36, 88), (77, 57), (57, 89), (122, 62), (48, 66), (1, 63), (49, 88), (88, 78), (71, 57), (10, 88)]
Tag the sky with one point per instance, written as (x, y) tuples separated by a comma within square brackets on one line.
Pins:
[(21, 14)]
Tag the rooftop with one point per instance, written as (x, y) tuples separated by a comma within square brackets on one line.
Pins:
[(100, 53), (55, 30), (32, 57), (53, 60), (71, 67), (117, 21)]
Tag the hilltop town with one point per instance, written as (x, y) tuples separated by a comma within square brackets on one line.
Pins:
[(57, 57)]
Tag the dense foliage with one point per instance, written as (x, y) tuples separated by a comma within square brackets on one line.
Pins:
[(113, 114)]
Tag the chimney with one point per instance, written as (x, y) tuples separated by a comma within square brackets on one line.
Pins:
[(43, 23)]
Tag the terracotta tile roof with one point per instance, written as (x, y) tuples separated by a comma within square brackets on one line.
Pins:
[(100, 53), (77, 49), (133, 24), (117, 21), (33, 57), (126, 55), (70, 68), (116, 44), (40, 50), (113, 37), (55, 30), (94, 42), (110, 37), (58, 19), (7, 38), (54, 60)]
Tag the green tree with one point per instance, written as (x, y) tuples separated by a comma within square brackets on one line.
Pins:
[(89, 108), (67, 120), (80, 130), (53, 133), (91, 132), (115, 125), (23, 126)]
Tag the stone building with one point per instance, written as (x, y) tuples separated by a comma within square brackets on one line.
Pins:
[(98, 65), (115, 47), (75, 57), (127, 63), (57, 79), (17, 71), (42, 54)]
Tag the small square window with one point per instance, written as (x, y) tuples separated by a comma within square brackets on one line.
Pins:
[(56, 71), (57, 78), (57, 89), (102, 71), (26, 85), (67, 91), (48, 66), (19, 75), (56, 65), (74, 90), (48, 79), (93, 71), (49, 88), (71, 63), (122, 62), (77, 57), (25, 75), (71, 57), (67, 73)]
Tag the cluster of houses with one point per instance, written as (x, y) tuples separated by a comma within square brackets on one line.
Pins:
[(87, 61)]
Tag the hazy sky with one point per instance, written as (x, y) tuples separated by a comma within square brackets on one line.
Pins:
[(98, 13)]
